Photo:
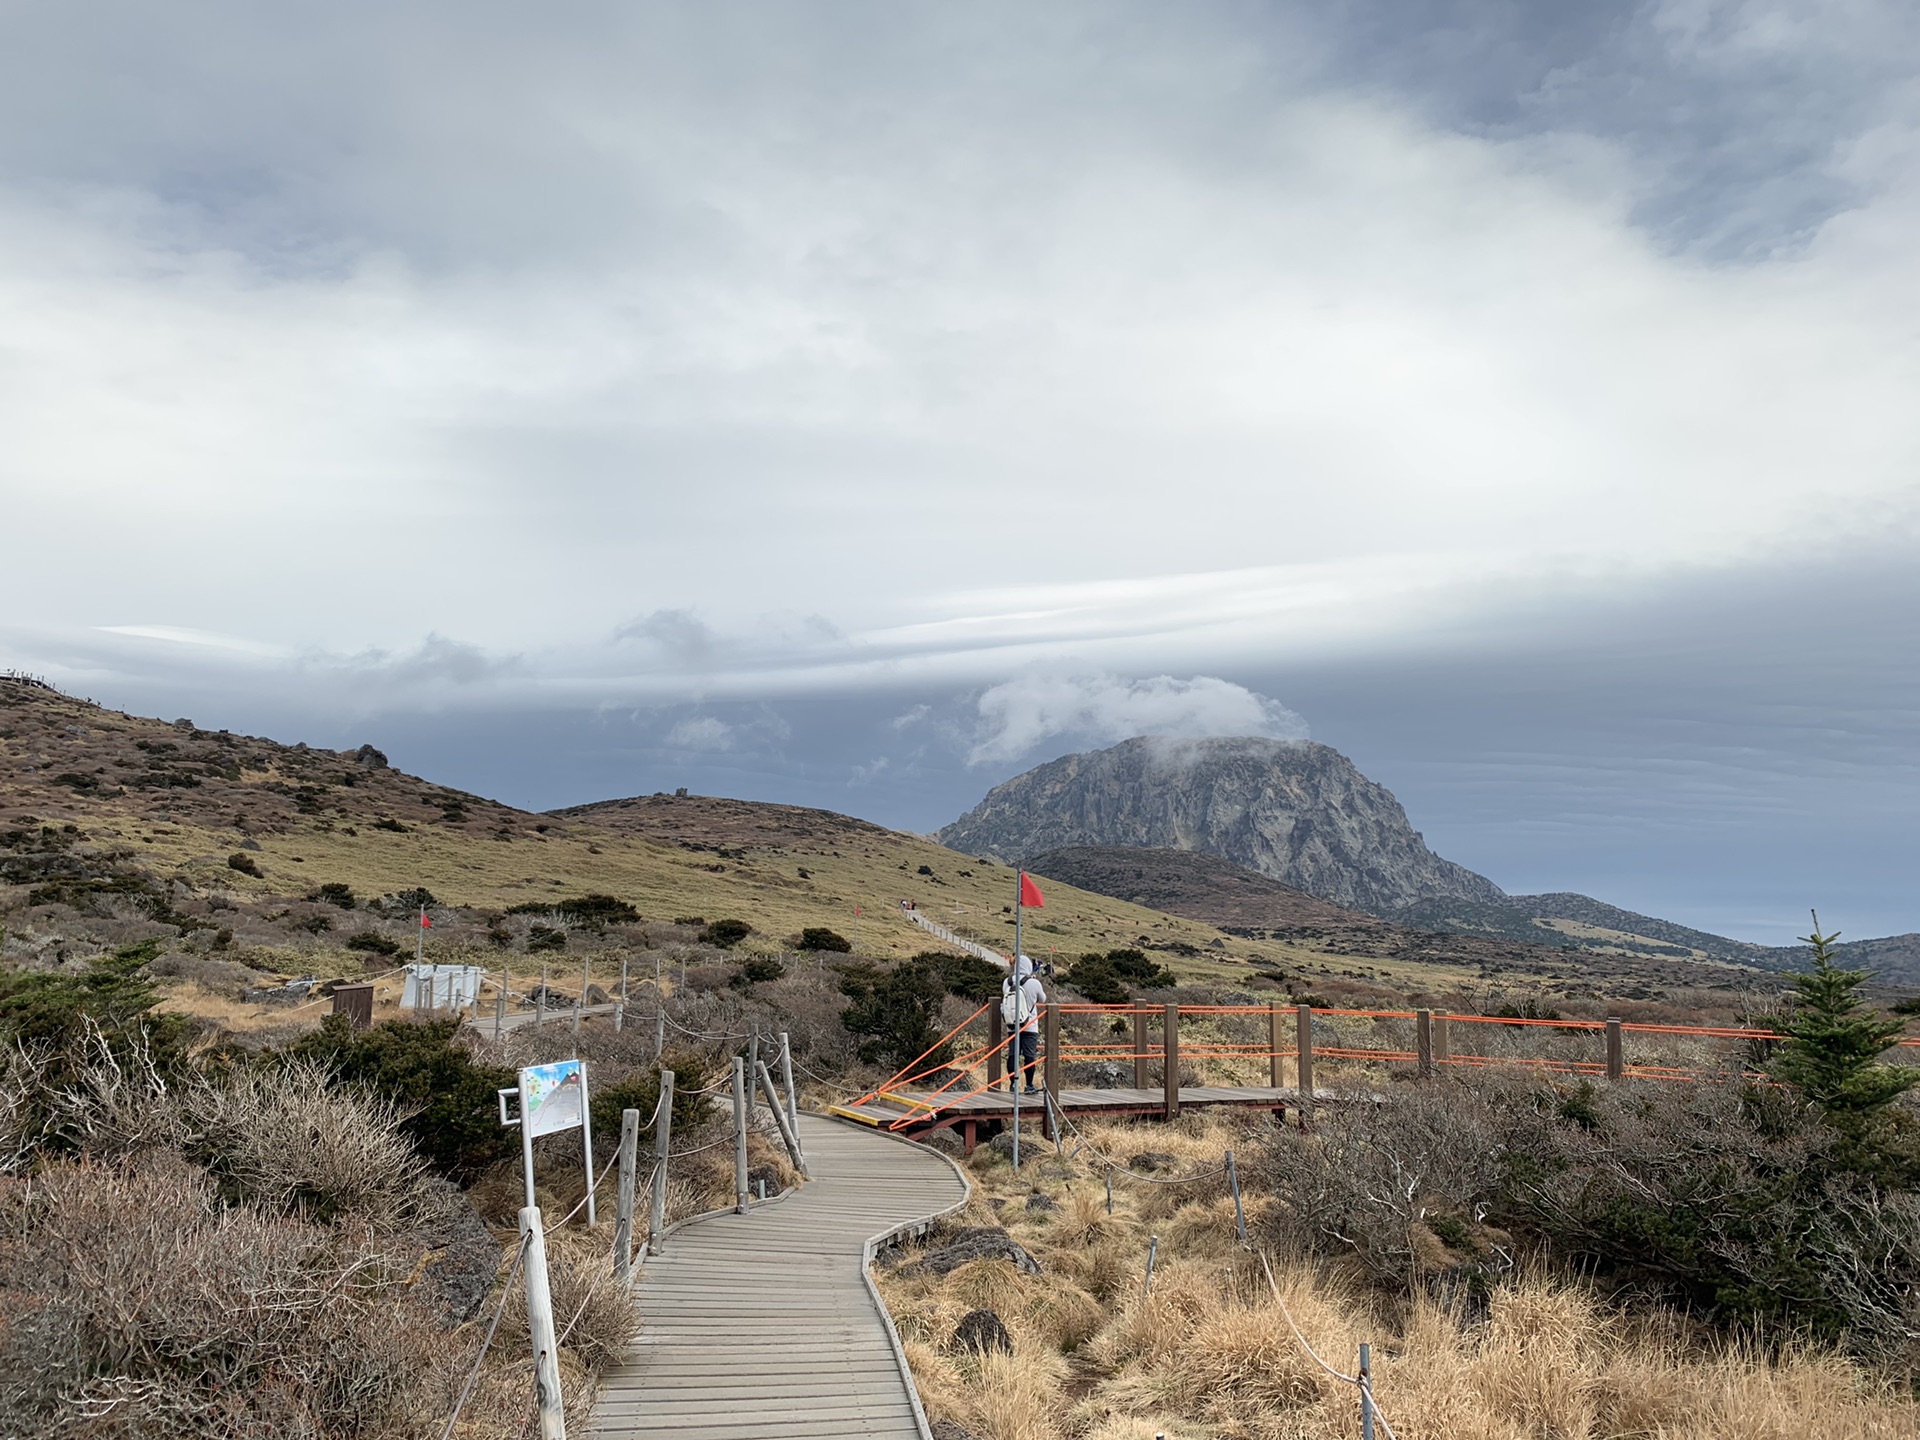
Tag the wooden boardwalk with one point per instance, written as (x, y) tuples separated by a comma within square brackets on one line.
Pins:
[(765, 1325), (966, 1112)]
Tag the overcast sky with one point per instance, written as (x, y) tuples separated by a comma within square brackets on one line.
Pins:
[(858, 403)]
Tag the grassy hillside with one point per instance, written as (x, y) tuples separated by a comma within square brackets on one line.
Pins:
[(110, 821)]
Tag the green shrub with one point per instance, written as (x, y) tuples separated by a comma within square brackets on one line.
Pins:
[(594, 911), (334, 893), (725, 934), (818, 937), (545, 937), (756, 971), (456, 1120), (1093, 977), (244, 863), (642, 1092), (1106, 979), (373, 943), (895, 1013), (967, 976)]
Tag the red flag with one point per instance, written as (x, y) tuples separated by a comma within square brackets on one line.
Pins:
[(425, 923), (1030, 895)]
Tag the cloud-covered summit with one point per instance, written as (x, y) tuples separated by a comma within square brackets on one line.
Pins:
[(1018, 715)]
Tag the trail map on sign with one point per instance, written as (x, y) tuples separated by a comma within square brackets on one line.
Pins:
[(553, 1097)]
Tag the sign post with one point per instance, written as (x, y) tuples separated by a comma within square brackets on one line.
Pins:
[(552, 1098)]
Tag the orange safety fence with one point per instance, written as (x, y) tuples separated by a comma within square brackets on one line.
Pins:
[(961, 1077)]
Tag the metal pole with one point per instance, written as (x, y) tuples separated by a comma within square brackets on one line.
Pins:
[(586, 1143), (540, 1012), (1366, 1391), (526, 1144), (1109, 1190), (739, 1136), (1239, 1211), (1019, 918), (1013, 1056), (623, 1204), (1139, 1047), (1153, 1249), (659, 1026), (662, 1134), (546, 1353), (791, 1140), (500, 1006)]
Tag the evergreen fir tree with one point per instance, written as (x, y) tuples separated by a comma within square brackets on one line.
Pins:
[(1832, 1054)]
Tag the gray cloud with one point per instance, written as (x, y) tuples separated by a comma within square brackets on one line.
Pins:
[(1018, 715), (880, 358)]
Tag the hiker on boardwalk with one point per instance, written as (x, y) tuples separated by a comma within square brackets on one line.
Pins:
[(1020, 1000)]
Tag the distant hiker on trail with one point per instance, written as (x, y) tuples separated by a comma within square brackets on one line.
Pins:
[(1020, 1000)]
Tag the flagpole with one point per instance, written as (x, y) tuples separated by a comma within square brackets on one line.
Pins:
[(1019, 915)]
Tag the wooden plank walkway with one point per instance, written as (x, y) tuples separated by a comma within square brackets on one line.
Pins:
[(765, 1325), (965, 1112)]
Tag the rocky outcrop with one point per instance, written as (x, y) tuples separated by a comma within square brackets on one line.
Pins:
[(1297, 812)]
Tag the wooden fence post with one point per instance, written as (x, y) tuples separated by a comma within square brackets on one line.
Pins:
[(1303, 1063), (1170, 1078), (739, 1136), (997, 1038), (786, 1079), (546, 1353), (1442, 1038), (623, 1204), (1423, 1042), (1616, 1051), (1139, 1047), (787, 1136), (662, 1136), (1274, 1040)]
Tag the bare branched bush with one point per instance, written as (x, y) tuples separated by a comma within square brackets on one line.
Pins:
[(118, 1101), (1373, 1177), (22, 1117), (287, 1137), (595, 1319), (139, 1305)]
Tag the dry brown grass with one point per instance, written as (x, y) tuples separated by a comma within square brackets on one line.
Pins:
[(1208, 1354)]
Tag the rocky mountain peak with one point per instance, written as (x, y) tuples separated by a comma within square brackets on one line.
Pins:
[(1295, 811)]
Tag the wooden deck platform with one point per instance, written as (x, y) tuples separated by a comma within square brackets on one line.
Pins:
[(766, 1325), (966, 1113)]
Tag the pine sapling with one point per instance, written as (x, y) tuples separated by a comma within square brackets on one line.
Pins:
[(1835, 1040)]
